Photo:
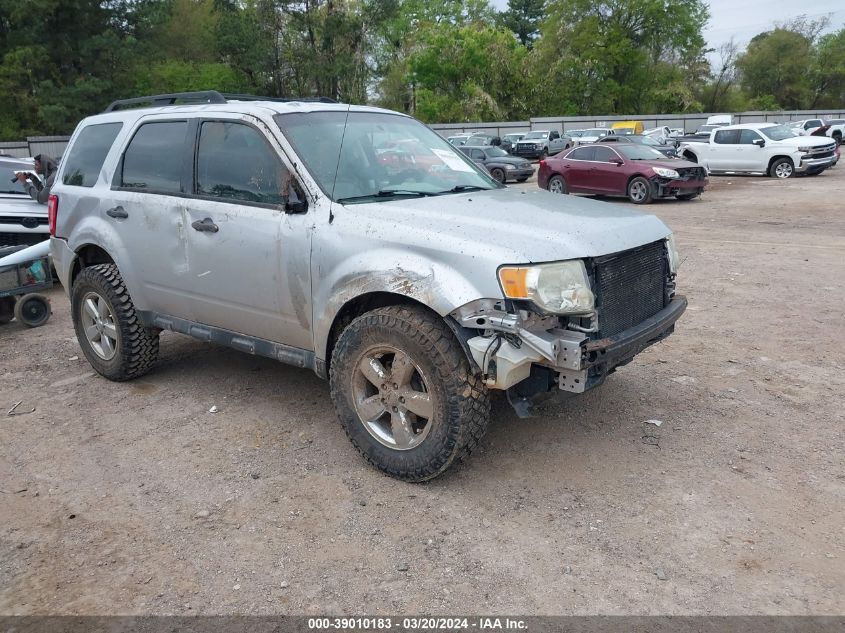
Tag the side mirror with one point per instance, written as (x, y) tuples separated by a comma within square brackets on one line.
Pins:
[(759, 142), (617, 161), (295, 201)]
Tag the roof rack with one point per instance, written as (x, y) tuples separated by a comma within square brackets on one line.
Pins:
[(204, 96)]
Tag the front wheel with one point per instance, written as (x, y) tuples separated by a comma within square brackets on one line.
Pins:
[(639, 190), (557, 185), (498, 174), (782, 168), (112, 338), (405, 393)]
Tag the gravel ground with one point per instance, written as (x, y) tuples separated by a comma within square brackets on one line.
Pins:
[(134, 499)]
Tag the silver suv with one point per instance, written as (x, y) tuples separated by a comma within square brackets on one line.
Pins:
[(358, 243)]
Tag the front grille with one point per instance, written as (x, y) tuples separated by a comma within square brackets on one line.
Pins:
[(691, 173), (827, 150), (630, 287), (21, 239)]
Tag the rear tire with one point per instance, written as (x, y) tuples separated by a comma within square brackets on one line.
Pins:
[(639, 191), (558, 185), (33, 310), (782, 169), (405, 393), (110, 334)]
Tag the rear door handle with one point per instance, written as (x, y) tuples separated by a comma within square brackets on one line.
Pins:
[(117, 212), (206, 225)]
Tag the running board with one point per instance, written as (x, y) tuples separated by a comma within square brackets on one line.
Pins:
[(241, 342)]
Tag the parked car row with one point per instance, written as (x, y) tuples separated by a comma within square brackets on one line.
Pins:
[(22, 220)]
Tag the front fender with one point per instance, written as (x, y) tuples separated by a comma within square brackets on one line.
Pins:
[(433, 284)]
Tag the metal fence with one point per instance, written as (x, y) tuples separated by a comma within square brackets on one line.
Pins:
[(34, 145), (689, 122), (55, 145)]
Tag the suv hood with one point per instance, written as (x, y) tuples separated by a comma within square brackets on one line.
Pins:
[(503, 226)]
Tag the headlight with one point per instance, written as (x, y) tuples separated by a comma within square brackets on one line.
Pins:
[(674, 257), (561, 288), (804, 149), (510, 167), (666, 173)]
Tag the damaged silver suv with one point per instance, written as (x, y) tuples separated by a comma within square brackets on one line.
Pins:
[(356, 242)]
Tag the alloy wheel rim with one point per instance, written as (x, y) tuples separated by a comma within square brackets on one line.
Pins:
[(638, 191), (99, 326), (784, 170), (392, 398), (556, 186)]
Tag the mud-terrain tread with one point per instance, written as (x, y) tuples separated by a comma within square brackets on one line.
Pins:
[(467, 397), (139, 345)]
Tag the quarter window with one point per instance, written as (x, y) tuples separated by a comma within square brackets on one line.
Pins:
[(154, 158), (85, 159), (235, 161), (727, 137)]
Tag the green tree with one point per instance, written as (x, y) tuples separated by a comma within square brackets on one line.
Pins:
[(776, 64), (827, 75), (523, 17)]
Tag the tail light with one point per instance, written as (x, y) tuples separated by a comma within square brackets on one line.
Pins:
[(542, 163), (52, 211)]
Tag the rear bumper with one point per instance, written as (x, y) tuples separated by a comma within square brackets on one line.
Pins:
[(519, 173), (63, 258)]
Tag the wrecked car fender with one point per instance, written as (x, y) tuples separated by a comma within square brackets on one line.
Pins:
[(433, 284)]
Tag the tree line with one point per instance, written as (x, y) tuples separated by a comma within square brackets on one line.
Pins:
[(440, 60)]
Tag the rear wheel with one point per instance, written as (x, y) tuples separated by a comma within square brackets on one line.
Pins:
[(782, 168), (110, 334), (405, 393), (557, 185), (498, 174), (639, 191), (33, 310)]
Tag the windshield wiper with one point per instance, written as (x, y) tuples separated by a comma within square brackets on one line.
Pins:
[(461, 188), (388, 193)]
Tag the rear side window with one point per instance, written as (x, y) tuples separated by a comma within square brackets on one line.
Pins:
[(582, 153), (153, 160), (85, 159), (235, 161), (727, 137)]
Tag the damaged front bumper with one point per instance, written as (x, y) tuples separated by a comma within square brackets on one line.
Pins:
[(518, 352)]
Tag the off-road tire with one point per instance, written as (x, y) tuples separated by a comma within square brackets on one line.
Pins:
[(33, 310), (649, 195), (782, 162), (137, 346), (461, 400), (7, 309), (498, 174)]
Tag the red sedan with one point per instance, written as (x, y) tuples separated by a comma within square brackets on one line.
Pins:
[(636, 171)]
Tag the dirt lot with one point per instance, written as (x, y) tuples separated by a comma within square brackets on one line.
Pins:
[(134, 499)]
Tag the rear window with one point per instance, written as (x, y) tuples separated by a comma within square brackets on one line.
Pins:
[(153, 159), (85, 159), (727, 137)]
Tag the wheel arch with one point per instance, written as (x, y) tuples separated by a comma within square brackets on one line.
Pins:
[(88, 255), (776, 158)]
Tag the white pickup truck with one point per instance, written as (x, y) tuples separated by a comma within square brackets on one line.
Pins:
[(22, 220), (806, 127), (761, 148)]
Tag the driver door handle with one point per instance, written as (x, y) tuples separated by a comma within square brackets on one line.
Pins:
[(206, 225), (117, 212)]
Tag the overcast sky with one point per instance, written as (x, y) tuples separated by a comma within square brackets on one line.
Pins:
[(743, 19)]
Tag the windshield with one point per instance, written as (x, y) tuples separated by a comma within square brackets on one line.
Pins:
[(778, 132), (531, 135), (376, 156), (623, 130), (575, 133), (594, 132), (639, 152), (647, 140)]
